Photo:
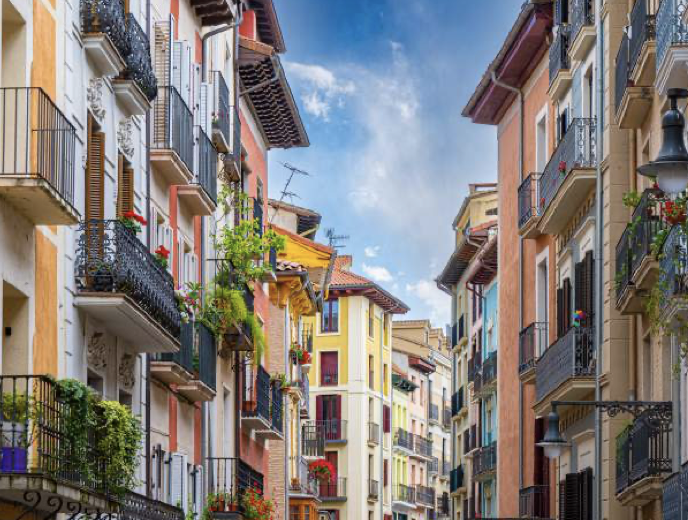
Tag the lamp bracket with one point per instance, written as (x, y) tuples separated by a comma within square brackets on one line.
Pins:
[(656, 410)]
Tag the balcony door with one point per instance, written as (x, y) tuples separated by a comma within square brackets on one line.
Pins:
[(328, 414)]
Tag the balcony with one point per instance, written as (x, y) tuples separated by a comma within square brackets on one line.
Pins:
[(672, 274), (488, 375), (566, 370), (569, 176), (635, 69), (582, 28), (636, 267), (176, 368), (104, 34), (459, 331), (200, 196), (532, 341), (443, 505), (456, 480), (403, 441), (474, 368), (46, 463), (172, 147), (560, 74), (302, 484), (425, 496), (373, 490), (675, 495), (222, 113), (373, 434), (446, 416), (228, 480), (261, 409), (422, 447), (643, 460), (334, 491), (434, 466), (333, 431), (459, 402), (137, 85), (534, 502), (121, 285), (445, 469), (528, 208), (139, 507), (485, 462), (201, 386), (403, 496), (434, 413), (672, 51), (38, 147), (312, 440)]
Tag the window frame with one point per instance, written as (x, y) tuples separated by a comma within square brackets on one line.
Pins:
[(334, 324)]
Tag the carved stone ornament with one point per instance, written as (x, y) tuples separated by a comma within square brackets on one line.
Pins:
[(96, 351), (94, 97), (125, 137), (127, 366)]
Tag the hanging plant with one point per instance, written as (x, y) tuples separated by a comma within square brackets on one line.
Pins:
[(631, 199), (257, 336), (674, 212), (133, 221), (162, 255), (255, 506), (322, 470)]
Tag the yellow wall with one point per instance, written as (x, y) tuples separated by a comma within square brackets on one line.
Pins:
[(45, 336), (331, 342)]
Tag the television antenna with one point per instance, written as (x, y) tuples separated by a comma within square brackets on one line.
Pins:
[(335, 239), (285, 193)]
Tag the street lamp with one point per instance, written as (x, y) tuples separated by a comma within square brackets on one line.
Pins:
[(553, 443), (670, 168)]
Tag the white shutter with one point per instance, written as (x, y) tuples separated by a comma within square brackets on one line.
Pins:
[(177, 66), (194, 269), (195, 103), (185, 484), (207, 107), (169, 239), (198, 491), (154, 228), (177, 477), (180, 259), (186, 73)]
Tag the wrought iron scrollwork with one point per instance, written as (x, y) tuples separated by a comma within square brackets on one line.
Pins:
[(107, 17), (139, 64), (32, 499)]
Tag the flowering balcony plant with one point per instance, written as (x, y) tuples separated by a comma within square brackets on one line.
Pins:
[(562, 167), (133, 221), (256, 506), (674, 212), (321, 470), (162, 255)]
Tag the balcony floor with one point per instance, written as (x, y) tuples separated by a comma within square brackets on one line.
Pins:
[(560, 84), (645, 68), (170, 166), (124, 318), (196, 391), (573, 389), (196, 199), (635, 104), (672, 70), (103, 54), (37, 200), (170, 373), (584, 41), (642, 492), (530, 230), (130, 97), (568, 200)]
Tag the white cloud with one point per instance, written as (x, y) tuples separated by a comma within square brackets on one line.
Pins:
[(378, 273), (437, 302), (321, 89), (371, 251)]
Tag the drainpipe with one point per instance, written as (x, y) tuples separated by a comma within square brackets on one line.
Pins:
[(521, 145), (147, 357), (381, 440), (632, 336), (287, 417), (221, 29), (599, 249)]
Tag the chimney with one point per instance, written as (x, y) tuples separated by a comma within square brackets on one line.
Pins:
[(344, 262)]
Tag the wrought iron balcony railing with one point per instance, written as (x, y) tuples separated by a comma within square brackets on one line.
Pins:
[(107, 17), (425, 496), (672, 264), (456, 478), (403, 493), (138, 507), (531, 342), (257, 395), (635, 244), (642, 450), (582, 14), (422, 446), (276, 408), (373, 433), (333, 490), (222, 116), (312, 440), (622, 77), (571, 356), (403, 439), (229, 478), (331, 430), (111, 259), (139, 65), (489, 371), (559, 52), (577, 149), (675, 495), (184, 357), (207, 356), (329, 377), (485, 460), (434, 412), (205, 164), (173, 125), (373, 489), (37, 140), (534, 502), (527, 199), (671, 29)]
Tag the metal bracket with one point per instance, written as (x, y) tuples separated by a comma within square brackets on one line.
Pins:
[(32, 505), (656, 410)]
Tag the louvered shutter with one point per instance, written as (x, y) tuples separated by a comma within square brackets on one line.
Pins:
[(155, 227), (177, 471), (319, 408), (560, 312), (206, 107), (572, 497), (198, 491), (578, 295), (125, 187), (385, 475), (567, 305), (562, 500), (589, 286), (164, 51), (95, 176), (176, 78), (195, 98), (386, 419), (585, 479)]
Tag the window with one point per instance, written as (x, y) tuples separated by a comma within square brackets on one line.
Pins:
[(371, 319), (371, 372), (384, 378), (329, 369), (541, 142), (385, 326), (329, 321)]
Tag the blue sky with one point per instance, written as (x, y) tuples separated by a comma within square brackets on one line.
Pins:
[(381, 85)]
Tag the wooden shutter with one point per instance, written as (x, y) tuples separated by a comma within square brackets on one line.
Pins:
[(319, 408), (578, 286), (125, 187), (589, 287), (385, 464), (95, 174), (338, 407), (567, 305), (560, 312), (585, 479), (386, 419), (562, 500), (572, 497), (331, 457), (328, 365)]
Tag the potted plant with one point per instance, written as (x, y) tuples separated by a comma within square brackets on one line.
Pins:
[(15, 427), (256, 506), (162, 255), (132, 221), (305, 360), (321, 470), (562, 167)]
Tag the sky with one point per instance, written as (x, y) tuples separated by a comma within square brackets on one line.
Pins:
[(380, 85)]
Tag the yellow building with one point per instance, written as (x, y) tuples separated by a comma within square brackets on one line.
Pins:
[(350, 387)]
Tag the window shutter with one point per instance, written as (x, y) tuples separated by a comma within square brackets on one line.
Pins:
[(155, 228), (567, 305), (589, 286), (586, 478), (386, 419), (198, 491), (385, 475), (560, 312), (206, 108), (95, 175), (562, 500), (125, 187), (177, 473), (578, 286), (572, 498), (319, 408)]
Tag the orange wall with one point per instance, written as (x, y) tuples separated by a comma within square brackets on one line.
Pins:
[(509, 323)]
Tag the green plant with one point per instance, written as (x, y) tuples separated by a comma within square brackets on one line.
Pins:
[(78, 420), (257, 336), (118, 435), (631, 199), (256, 506), (15, 407)]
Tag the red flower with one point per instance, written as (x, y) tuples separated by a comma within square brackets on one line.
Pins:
[(562, 166), (163, 252), (305, 358), (130, 214), (141, 220)]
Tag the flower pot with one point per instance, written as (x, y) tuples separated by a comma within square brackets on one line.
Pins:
[(306, 367), (13, 460)]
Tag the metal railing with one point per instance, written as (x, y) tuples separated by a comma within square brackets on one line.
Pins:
[(109, 18), (403, 493), (333, 490), (173, 125), (422, 446), (527, 199), (276, 408), (138, 507), (459, 330), (111, 259), (570, 356), (223, 113), (485, 460), (139, 65), (329, 377), (373, 432), (534, 502), (622, 78), (642, 450), (577, 149), (332, 430), (446, 416), (582, 14), (403, 439), (257, 396), (230, 478), (672, 264), (643, 29), (456, 478), (458, 401), (312, 440), (425, 495), (205, 164), (635, 244), (446, 467), (207, 356), (184, 357), (443, 504), (674, 498), (559, 52), (36, 140), (373, 489), (434, 465), (303, 483), (671, 30), (489, 371), (532, 341)]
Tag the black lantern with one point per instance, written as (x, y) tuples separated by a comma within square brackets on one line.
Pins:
[(553, 443)]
